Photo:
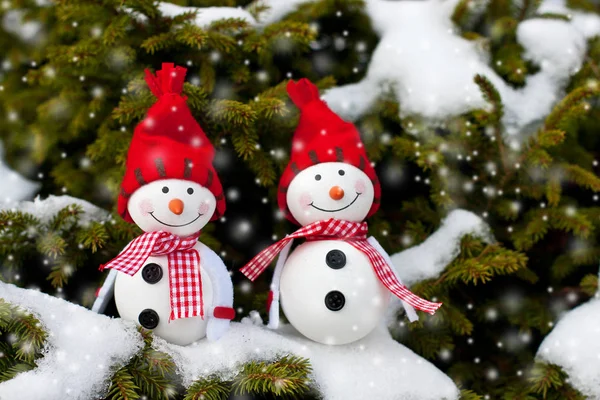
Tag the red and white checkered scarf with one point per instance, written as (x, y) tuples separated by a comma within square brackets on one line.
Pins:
[(355, 233), (184, 273)]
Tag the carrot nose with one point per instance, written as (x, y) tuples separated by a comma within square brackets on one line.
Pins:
[(176, 206), (336, 193)]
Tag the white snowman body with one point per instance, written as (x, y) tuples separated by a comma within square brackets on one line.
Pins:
[(145, 298), (330, 293), (182, 208), (329, 290)]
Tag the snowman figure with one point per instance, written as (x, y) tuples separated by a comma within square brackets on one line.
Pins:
[(166, 280), (335, 286)]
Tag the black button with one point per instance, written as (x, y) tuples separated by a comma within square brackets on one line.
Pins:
[(148, 318), (152, 273), (335, 300), (335, 259)]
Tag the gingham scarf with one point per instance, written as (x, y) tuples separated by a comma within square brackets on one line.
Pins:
[(184, 275), (355, 233)]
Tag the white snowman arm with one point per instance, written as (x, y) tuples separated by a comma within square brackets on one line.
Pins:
[(410, 311), (222, 292), (105, 293), (274, 306), (108, 287)]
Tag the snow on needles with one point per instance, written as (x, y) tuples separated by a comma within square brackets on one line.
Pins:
[(206, 15), (82, 349), (428, 259), (364, 369), (85, 348), (574, 346), (429, 67), (46, 209)]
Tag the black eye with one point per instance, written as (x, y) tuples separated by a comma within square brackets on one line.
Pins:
[(341, 172), (318, 177), (165, 189), (190, 191)]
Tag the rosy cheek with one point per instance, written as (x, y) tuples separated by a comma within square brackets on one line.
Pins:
[(360, 186), (203, 209), (305, 200), (146, 207)]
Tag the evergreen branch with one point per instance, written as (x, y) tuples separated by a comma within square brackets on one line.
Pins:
[(207, 389), (546, 377), (584, 5), (116, 30), (229, 25), (145, 7), (553, 191), (233, 112), (550, 138), (461, 12), (122, 386), (556, 16), (583, 177), (93, 237), (191, 35), (158, 42), (469, 395), (288, 376), (528, 8), (491, 94), (568, 108), (589, 284), (51, 244), (28, 339)]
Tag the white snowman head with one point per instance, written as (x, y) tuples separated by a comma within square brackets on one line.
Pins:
[(177, 206), (330, 190)]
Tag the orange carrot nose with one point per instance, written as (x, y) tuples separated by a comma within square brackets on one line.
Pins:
[(336, 193), (176, 206)]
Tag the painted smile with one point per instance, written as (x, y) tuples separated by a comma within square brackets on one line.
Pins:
[(177, 226), (339, 209)]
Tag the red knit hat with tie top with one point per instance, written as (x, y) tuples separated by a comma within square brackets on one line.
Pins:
[(322, 136), (169, 143)]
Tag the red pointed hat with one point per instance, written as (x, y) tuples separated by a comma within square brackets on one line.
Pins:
[(322, 136), (169, 143)]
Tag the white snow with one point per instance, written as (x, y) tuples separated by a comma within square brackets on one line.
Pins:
[(573, 345), (277, 10), (47, 208), (375, 367), (205, 15), (83, 349), (428, 259), (422, 59), (14, 187), (28, 31)]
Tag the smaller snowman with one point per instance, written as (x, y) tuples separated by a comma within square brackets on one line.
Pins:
[(335, 286), (166, 280)]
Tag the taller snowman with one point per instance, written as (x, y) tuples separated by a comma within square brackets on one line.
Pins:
[(336, 285), (166, 280)]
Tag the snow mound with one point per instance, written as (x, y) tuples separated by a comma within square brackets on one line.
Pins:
[(13, 186), (375, 367), (429, 67), (428, 259), (574, 346), (47, 208), (206, 15), (83, 349)]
